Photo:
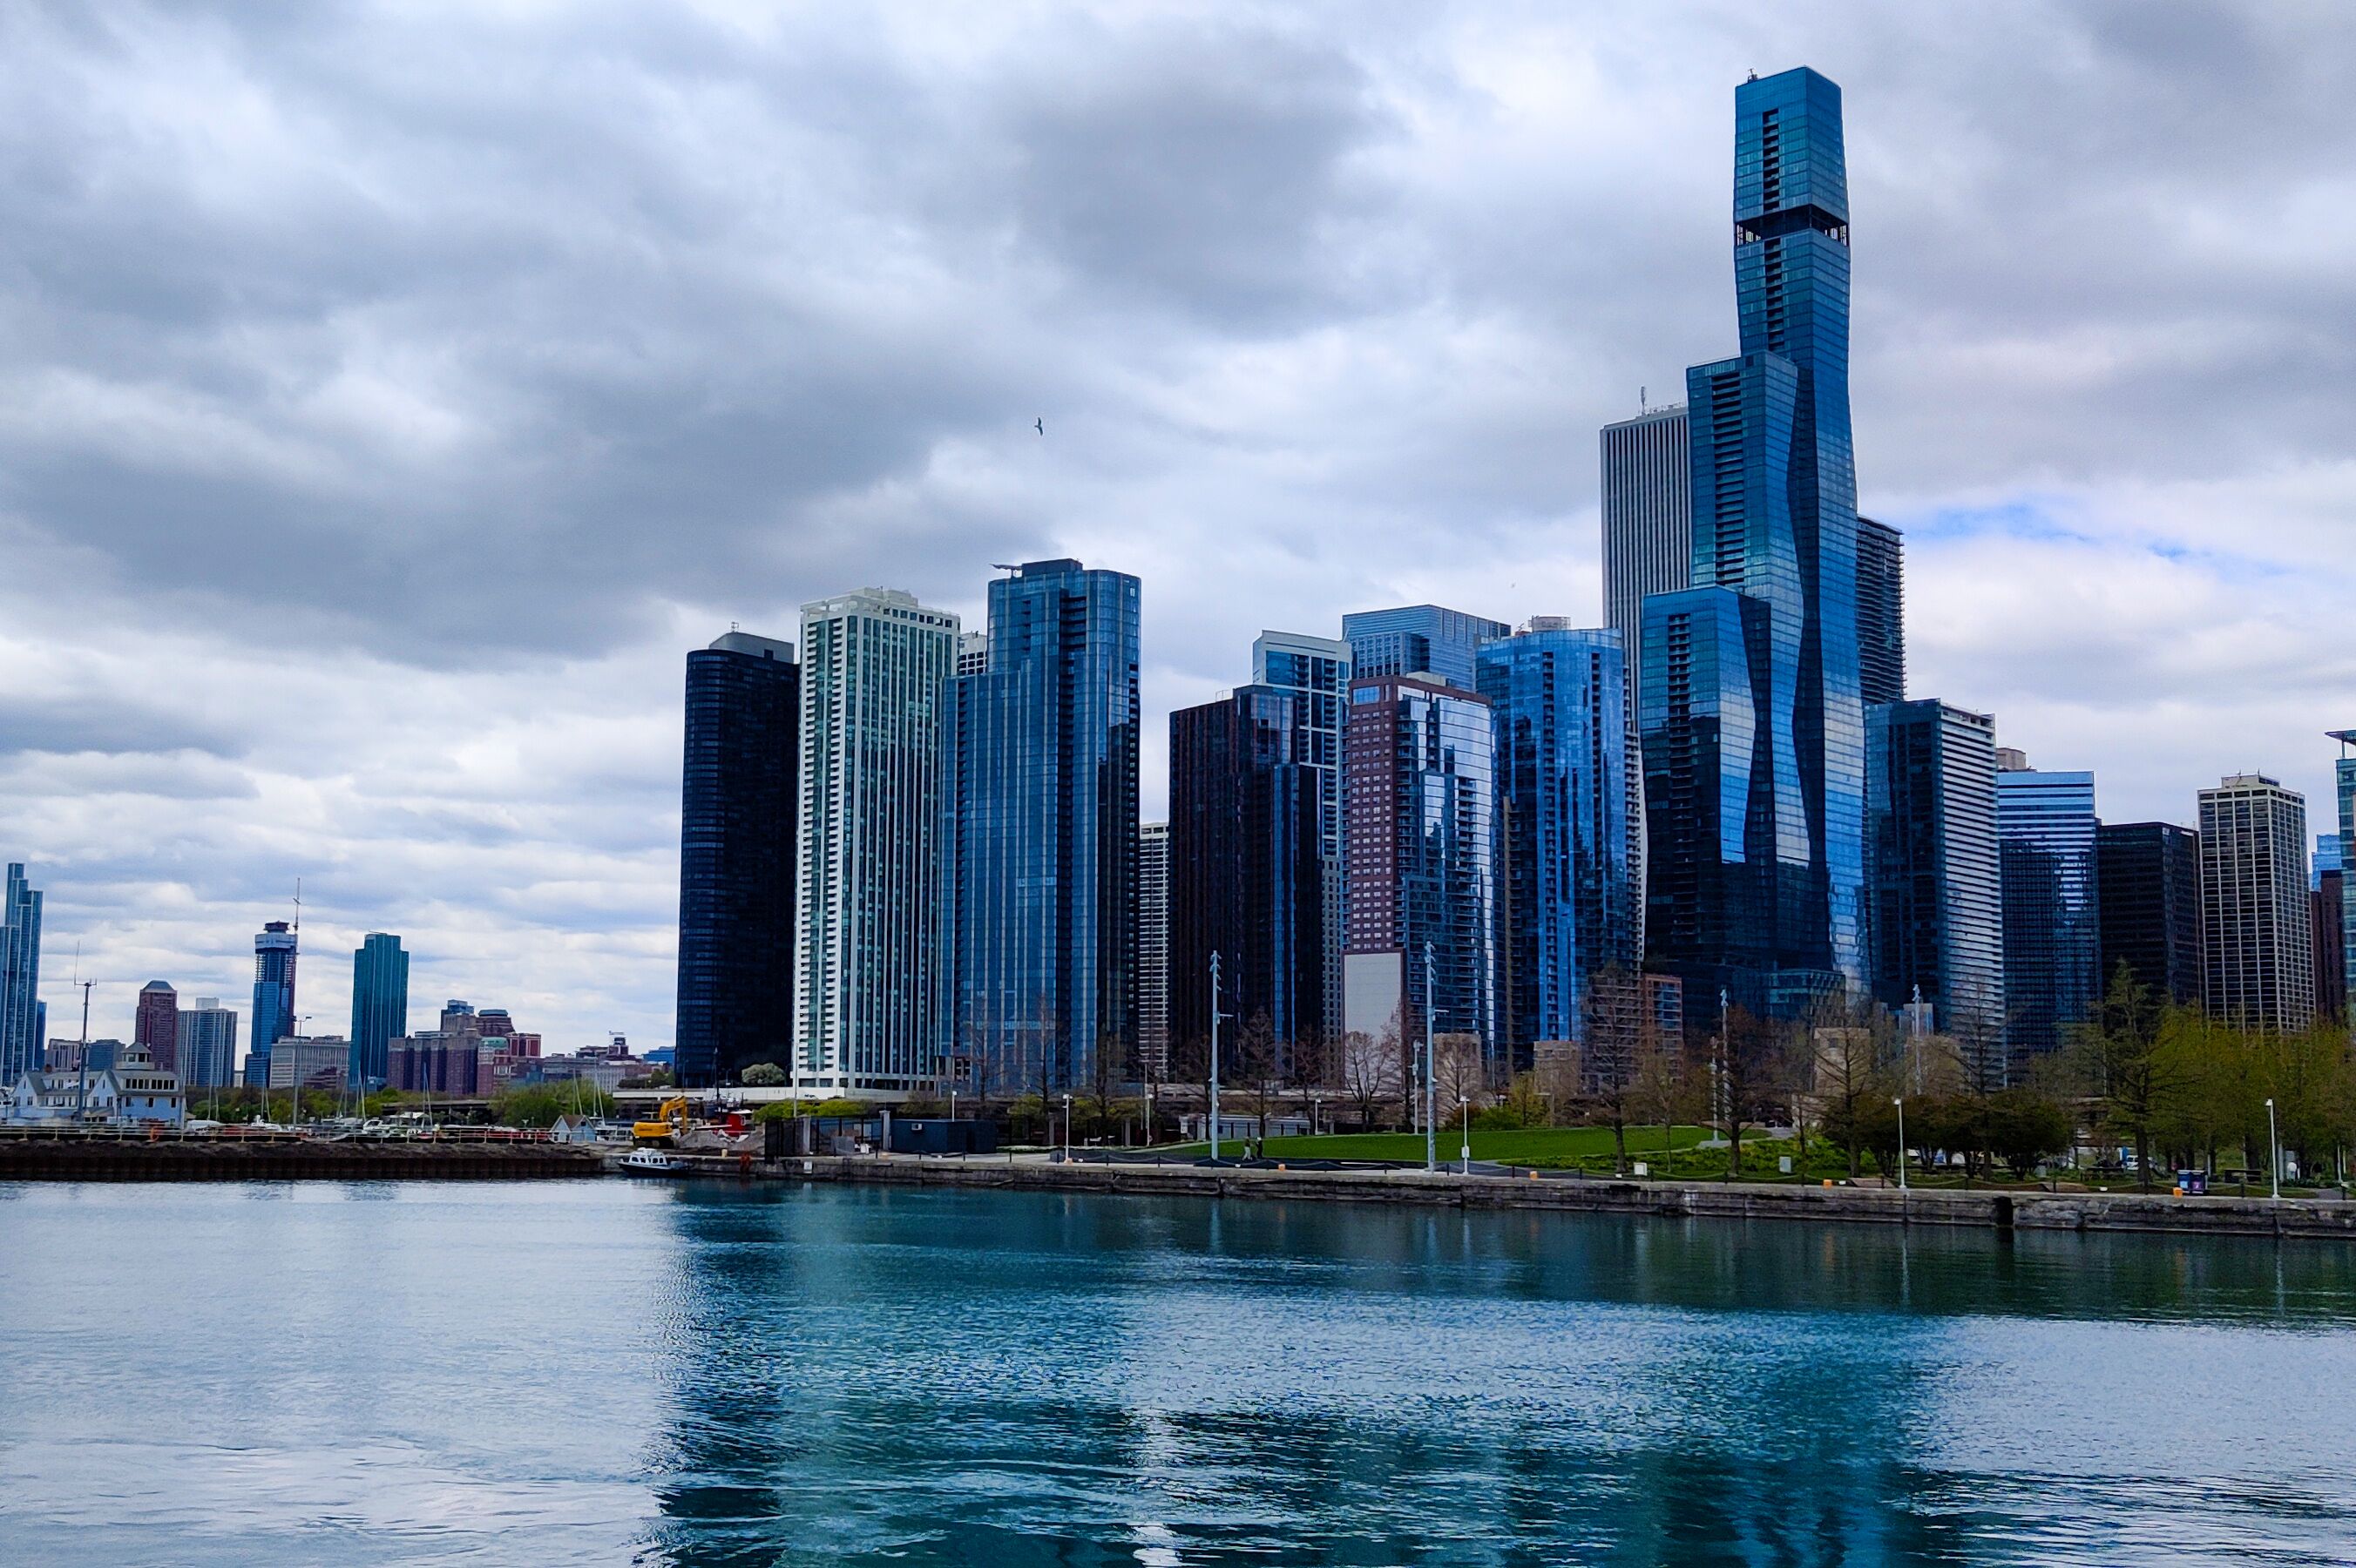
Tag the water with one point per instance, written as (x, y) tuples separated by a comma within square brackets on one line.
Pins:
[(607, 1372)]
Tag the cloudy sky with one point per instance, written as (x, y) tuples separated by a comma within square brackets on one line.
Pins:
[(389, 396)]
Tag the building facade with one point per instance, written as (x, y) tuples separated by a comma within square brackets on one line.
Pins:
[(1418, 800), (1419, 639), (2148, 877), (874, 666), (2328, 923), (1557, 700), (21, 1024), (380, 1005), (1774, 524), (1247, 877), (2344, 783), (1937, 924), (2052, 913), (1039, 842), (1881, 613), (736, 858), (1153, 951), (273, 997), (2256, 944), (156, 1025), (310, 1061), (1647, 490), (1316, 671), (207, 1037)]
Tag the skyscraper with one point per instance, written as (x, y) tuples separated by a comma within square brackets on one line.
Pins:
[(1039, 790), (207, 1037), (1246, 879), (1316, 670), (2344, 781), (273, 997), (1418, 800), (2052, 913), (380, 1005), (874, 665), (2328, 923), (736, 858), (1419, 639), (1556, 703), (1774, 522), (1647, 549), (2257, 945), (1881, 613), (22, 1049), (2148, 877), (1153, 951), (1938, 898), (156, 1025)]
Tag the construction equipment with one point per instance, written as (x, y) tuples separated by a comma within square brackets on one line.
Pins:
[(669, 1126)]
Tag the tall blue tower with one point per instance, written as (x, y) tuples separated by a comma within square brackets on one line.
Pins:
[(380, 1004), (1774, 520)]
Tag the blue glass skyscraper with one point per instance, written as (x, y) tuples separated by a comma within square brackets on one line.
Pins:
[(1937, 923), (21, 1045), (1039, 757), (1557, 706), (1419, 639), (380, 1004), (2344, 777), (273, 997), (2052, 910), (1774, 521)]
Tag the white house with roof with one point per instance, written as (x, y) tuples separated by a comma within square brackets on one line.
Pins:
[(132, 1092)]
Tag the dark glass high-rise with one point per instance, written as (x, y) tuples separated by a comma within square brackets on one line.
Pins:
[(736, 858)]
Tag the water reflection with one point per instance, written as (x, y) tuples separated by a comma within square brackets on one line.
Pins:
[(944, 1377)]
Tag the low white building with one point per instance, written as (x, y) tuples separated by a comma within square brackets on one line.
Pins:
[(134, 1092)]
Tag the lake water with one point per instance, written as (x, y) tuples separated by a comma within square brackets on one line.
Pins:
[(606, 1372)]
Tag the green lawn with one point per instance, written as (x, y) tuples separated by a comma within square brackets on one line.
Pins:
[(1544, 1147)]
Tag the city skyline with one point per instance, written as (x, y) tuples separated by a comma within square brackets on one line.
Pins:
[(505, 796)]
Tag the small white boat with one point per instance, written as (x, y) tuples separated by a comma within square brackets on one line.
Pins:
[(649, 1162)]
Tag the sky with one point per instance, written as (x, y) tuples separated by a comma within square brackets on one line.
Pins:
[(391, 396)]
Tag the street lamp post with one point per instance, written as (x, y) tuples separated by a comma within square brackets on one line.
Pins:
[(1213, 1109), (1901, 1103), (1067, 1129), (1431, 1094), (2274, 1153)]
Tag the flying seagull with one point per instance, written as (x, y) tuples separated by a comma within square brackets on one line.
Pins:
[(1041, 423)]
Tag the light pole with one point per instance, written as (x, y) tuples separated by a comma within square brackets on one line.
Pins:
[(1213, 1109), (2274, 1153), (1901, 1103), (1465, 1152), (1431, 1093), (1067, 1129)]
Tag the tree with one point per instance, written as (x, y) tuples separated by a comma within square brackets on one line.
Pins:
[(1747, 1052), (1665, 1088), (1459, 1075), (1852, 1075), (2133, 1080), (1369, 1071), (1108, 1069), (1524, 1104), (1608, 1056), (763, 1076), (2026, 1128), (538, 1105), (1260, 1070)]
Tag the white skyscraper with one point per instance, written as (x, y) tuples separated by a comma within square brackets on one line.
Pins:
[(1647, 549), (2257, 924), (1153, 951), (875, 663)]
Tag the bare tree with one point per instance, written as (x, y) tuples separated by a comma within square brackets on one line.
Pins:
[(1459, 1074), (1370, 1071), (1105, 1075), (1260, 1070), (1609, 1051)]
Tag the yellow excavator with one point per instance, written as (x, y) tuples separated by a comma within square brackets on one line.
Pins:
[(669, 1126)]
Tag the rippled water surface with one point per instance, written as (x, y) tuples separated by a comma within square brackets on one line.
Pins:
[(609, 1372)]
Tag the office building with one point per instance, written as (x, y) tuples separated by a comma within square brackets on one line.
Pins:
[(1557, 701), (2327, 921), (1937, 918), (380, 1005), (1419, 639), (2256, 940), (736, 858), (2327, 858), (435, 1063), (1316, 671), (874, 665), (156, 1025), (208, 1041), (312, 1062), (2148, 877), (1775, 525), (1247, 878), (973, 653), (2344, 783), (1419, 872), (1881, 613), (273, 997), (1153, 951), (24, 1028), (2052, 913), (1039, 791), (1647, 508)]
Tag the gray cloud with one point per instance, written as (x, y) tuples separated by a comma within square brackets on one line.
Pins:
[(385, 406)]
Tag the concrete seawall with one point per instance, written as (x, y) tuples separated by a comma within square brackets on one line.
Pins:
[(194, 1159), (2300, 1218)]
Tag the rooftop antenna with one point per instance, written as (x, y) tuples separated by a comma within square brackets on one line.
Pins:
[(1642, 403)]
